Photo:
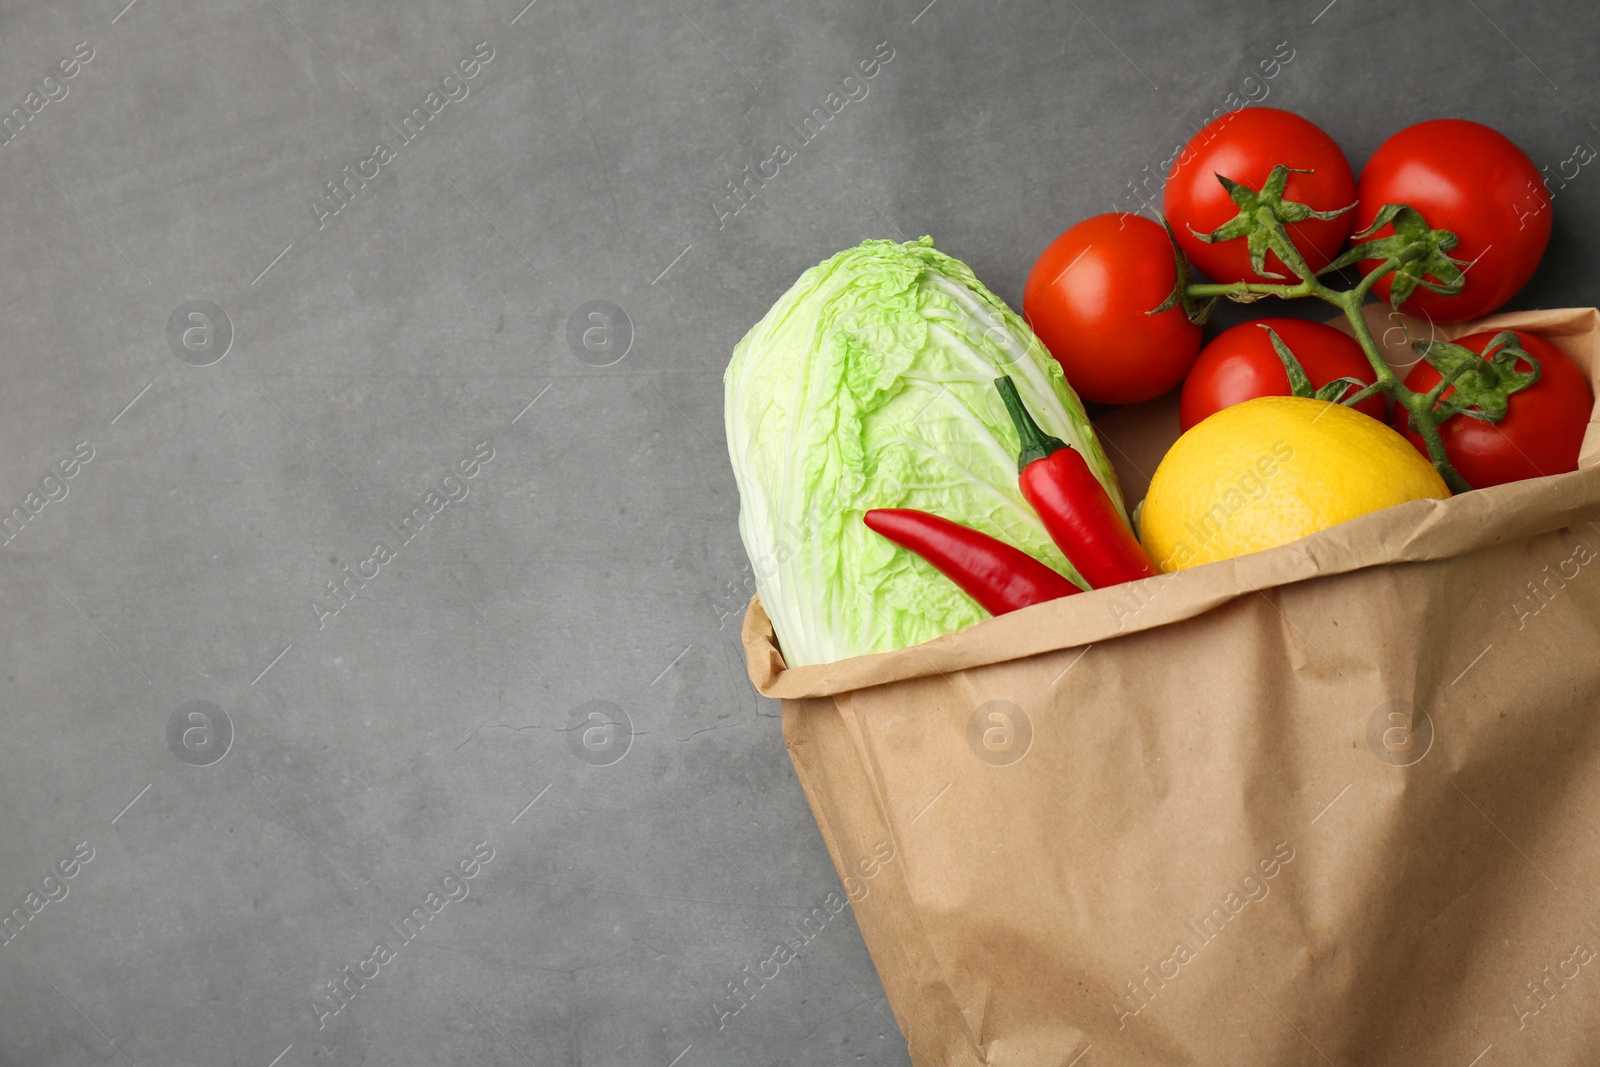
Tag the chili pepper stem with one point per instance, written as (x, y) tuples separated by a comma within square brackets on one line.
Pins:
[(1036, 444)]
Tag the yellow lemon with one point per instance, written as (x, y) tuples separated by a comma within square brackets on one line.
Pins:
[(1273, 470)]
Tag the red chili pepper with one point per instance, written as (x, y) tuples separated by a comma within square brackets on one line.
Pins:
[(1074, 507), (999, 577)]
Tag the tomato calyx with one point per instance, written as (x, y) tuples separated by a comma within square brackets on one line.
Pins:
[(1482, 384), (1300, 382), (1419, 251), (1197, 310), (1262, 219)]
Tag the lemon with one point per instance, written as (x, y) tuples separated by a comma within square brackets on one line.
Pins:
[(1273, 470)]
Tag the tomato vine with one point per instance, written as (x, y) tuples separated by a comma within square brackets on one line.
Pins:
[(1417, 256)]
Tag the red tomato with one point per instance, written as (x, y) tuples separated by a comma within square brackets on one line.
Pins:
[(1241, 364), (1541, 432), (1469, 179), (1245, 145), (1087, 298)]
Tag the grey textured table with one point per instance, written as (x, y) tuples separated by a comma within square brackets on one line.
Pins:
[(516, 746)]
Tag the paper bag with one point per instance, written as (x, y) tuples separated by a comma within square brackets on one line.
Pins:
[(1335, 803)]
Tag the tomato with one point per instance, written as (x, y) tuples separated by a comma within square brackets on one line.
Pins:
[(1469, 179), (1241, 364), (1542, 430), (1245, 145), (1087, 298)]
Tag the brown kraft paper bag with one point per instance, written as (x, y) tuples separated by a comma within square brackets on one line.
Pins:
[(1337, 803)]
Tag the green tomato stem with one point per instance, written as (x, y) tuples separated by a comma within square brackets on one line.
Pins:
[(1428, 428), (1371, 390), (1287, 292)]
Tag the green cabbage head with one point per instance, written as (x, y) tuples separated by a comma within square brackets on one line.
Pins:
[(870, 385)]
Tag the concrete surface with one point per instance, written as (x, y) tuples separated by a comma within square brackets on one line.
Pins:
[(585, 582)]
